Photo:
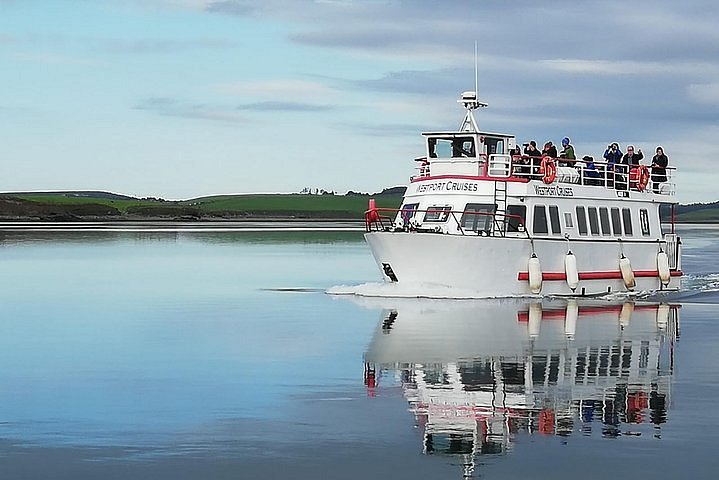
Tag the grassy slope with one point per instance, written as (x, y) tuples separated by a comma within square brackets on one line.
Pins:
[(308, 206)]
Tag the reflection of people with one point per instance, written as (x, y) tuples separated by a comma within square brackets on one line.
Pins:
[(659, 168)]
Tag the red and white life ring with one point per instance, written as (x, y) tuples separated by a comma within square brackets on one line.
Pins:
[(548, 169)]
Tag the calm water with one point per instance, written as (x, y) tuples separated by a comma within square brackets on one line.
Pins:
[(217, 354)]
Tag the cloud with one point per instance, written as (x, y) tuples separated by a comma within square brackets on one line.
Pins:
[(704, 93), (231, 7), (277, 89), (274, 106), (170, 107), (160, 46)]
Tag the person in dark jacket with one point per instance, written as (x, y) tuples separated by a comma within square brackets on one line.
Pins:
[(592, 174), (659, 168), (632, 159), (549, 150)]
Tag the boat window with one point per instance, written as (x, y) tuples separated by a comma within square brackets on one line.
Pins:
[(593, 220), (568, 220), (494, 145), (644, 221), (554, 220), (478, 217), (604, 220), (581, 221), (437, 213), (450, 147), (627, 217), (616, 222), (539, 221), (408, 211), (516, 220)]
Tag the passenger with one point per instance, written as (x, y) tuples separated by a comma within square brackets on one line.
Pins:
[(531, 149), (531, 155), (549, 150), (567, 154), (592, 175), (632, 159), (659, 168), (613, 156)]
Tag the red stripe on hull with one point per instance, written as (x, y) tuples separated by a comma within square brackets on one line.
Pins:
[(610, 275)]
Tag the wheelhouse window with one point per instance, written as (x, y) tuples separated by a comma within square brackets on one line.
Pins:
[(582, 220), (593, 220), (604, 220), (616, 222), (644, 221), (494, 145), (627, 220), (554, 220), (539, 220), (408, 211), (478, 217), (516, 218), (450, 147), (437, 213)]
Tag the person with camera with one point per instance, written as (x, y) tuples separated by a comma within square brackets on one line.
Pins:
[(613, 156)]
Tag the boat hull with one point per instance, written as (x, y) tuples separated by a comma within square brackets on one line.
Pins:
[(498, 266)]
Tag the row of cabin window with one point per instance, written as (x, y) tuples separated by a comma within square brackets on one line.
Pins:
[(602, 221)]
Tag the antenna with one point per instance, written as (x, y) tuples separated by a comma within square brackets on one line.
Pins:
[(476, 77)]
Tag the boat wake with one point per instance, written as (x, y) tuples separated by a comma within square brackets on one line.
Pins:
[(414, 290)]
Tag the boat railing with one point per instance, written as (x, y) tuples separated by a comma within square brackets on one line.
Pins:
[(597, 173), (500, 223), (617, 176)]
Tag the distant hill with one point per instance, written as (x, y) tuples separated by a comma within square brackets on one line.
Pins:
[(92, 205)]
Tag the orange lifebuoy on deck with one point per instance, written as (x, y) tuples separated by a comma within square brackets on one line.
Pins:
[(548, 169), (643, 178)]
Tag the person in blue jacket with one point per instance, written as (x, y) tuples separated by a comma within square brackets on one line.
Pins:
[(613, 156)]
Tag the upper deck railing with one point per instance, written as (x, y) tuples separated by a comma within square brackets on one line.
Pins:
[(617, 176)]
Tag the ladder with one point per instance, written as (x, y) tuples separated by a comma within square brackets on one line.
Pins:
[(500, 203)]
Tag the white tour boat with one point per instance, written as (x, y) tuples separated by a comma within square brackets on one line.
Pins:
[(479, 217)]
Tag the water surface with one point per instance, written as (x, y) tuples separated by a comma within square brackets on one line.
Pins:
[(148, 353)]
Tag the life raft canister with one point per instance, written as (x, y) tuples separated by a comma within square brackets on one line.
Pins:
[(548, 169), (643, 174)]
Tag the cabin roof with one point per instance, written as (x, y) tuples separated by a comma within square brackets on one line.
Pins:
[(464, 134)]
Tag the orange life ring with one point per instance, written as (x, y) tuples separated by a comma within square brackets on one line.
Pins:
[(548, 169), (643, 178)]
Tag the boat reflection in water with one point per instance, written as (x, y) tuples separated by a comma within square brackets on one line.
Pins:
[(480, 376)]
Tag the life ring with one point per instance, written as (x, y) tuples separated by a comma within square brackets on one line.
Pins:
[(643, 178), (548, 169)]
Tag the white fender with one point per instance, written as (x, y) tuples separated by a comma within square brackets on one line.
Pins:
[(535, 319), (570, 268), (626, 314), (570, 319), (625, 267), (663, 267), (535, 274), (663, 316)]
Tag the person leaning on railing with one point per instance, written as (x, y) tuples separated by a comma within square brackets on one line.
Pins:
[(659, 168), (568, 157)]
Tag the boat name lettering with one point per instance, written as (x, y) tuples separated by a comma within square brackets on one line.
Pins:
[(553, 190), (449, 186)]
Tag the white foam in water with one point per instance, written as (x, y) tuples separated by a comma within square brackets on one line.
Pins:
[(701, 283), (414, 290)]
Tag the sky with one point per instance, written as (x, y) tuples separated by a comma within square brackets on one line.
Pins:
[(184, 98)]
